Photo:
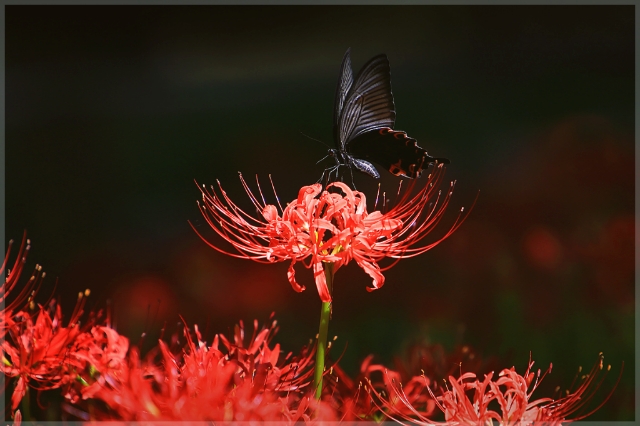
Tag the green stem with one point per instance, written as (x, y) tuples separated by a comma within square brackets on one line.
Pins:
[(325, 314)]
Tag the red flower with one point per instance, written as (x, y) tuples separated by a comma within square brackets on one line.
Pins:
[(97, 355), (37, 348), (325, 226), (505, 399), (38, 352)]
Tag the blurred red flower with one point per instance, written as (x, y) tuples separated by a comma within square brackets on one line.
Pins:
[(330, 225), (99, 354), (246, 378), (230, 380), (506, 399), (543, 249), (610, 260), (37, 352), (35, 347)]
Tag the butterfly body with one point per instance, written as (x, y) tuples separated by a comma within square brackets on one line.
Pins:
[(344, 158), (363, 120)]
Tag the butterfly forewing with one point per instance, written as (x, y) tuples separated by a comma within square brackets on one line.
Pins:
[(369, 103), (344, 84)]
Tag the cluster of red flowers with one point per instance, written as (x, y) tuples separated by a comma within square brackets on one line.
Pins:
[(238, 378), (505, 400), (228, 380)]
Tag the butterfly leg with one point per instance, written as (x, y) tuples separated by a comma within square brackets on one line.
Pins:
[(333, 169), (352, 182), (322, 176), (328, 171)]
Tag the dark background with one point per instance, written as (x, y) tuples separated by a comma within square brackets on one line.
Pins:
[(112, 112)]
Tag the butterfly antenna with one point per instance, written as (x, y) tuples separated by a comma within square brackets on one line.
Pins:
[(314, 139)]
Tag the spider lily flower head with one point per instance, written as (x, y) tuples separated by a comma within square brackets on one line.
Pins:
[(37, 349), (328, 226), (403, 399), (97, 354), (402, 392), (505, 399)]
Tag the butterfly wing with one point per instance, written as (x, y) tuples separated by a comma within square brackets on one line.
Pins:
[(344, 84), (368, 104), (394, 150)]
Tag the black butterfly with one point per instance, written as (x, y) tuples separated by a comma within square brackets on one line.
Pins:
[(363, 120)]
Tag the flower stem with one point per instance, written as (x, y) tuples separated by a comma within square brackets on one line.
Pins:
[(325, 314)]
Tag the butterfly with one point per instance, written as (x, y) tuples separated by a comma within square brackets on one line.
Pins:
[(363, 120)]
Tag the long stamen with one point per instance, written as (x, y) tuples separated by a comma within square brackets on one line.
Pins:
[(375, 205), (276, 195), (264, 203)]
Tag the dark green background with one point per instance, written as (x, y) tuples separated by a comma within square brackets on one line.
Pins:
[(112, 112)]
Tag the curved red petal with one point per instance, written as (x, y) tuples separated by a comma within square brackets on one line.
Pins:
[(291, 275)]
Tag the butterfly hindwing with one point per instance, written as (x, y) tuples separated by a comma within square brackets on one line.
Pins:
[(394, 150)]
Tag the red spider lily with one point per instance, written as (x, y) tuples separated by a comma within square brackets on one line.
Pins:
[(432, 359), (401, 403), (97, 355), (349, 395), (38, 352), (227, 381), (506, 400), (36, 347), (325, 226)]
